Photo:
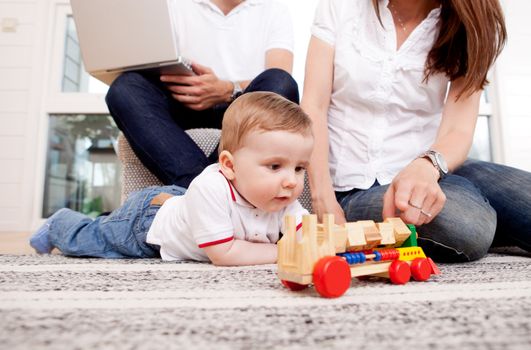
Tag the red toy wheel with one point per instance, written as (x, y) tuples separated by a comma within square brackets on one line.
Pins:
[(420, 269), (293, 285), (399, 272), (331, 276)]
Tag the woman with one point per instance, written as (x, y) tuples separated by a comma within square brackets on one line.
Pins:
[(392, 138)]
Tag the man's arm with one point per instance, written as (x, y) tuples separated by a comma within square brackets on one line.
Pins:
[(279, 58), (275, 58), (204, 90), (239, 252)]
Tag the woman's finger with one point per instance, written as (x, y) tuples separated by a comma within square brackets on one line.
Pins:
[(438, 204), (389, 208), (433, 204), (415, 204)]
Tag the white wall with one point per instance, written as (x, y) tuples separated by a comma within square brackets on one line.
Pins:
[(302, 12), (21, 53), (24, 54), (512, 78)]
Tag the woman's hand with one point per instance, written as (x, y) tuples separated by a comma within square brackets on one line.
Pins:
[(201, 91), (326, 203), (416, 193)]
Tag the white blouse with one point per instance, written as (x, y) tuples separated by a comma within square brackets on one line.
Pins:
[(382, 114)]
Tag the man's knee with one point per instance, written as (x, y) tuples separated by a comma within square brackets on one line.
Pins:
[(123, 88), (281, 77), (276, 80)]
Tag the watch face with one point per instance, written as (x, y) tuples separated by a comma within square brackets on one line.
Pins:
[(441, 162)]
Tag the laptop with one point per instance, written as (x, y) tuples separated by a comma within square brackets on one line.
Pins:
[(117, 36)]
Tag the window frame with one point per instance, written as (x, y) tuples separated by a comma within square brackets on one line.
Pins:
[(58, 102), (53, 100)]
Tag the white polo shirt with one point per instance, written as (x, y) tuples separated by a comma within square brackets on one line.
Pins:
[(213, 212), (233, 46), (382, 115)]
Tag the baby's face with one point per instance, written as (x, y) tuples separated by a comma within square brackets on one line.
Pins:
[(269, 168)]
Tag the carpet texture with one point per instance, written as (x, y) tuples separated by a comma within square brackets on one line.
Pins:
[(54, 302)]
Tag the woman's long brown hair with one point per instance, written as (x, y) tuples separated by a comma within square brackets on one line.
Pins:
[(472, 35)]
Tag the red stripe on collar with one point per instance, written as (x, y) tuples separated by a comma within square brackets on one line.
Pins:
[(230, 187)]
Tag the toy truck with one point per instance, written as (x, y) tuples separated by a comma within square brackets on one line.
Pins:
[(329, 255)]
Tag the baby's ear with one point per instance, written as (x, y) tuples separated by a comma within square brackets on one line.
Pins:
[(226, 164)]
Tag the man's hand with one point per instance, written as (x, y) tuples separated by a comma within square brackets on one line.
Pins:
[(416, 193), (201, 91)]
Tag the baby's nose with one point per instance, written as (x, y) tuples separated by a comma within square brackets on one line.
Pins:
[(290, 180)]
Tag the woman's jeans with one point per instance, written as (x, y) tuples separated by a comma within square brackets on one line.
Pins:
[(154, 122), (122, 234), (484, 200)]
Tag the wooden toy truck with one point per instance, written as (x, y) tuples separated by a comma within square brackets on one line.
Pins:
[(329, 255)]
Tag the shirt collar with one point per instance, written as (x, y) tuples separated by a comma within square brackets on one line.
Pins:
[(248, 2), (236, 196), (244, 4)]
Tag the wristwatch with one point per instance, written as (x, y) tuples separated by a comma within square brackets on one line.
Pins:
[(236, 90), (438, 162)]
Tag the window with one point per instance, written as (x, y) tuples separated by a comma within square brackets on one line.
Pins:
[(481, 147), (74, 77), (82, 171)]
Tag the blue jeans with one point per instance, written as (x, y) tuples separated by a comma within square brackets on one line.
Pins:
[(121, 234), (154, 122), (483, 200)]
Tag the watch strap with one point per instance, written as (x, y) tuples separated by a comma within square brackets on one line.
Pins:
[(431, 155), (236, 90)]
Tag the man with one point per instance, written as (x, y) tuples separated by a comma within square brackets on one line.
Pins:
[(235, 47)]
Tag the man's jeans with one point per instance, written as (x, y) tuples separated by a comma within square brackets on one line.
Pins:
[(122, 234), (483, 200), (154, 122)]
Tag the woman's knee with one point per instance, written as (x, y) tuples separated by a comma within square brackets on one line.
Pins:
[(464, 229), (364, 204)]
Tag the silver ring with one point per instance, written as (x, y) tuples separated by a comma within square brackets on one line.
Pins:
[(425, 213), (414, 206)]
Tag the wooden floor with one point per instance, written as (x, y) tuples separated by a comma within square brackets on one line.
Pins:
[(15, 243)]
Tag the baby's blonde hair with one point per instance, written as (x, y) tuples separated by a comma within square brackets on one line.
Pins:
[(265, 111)]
